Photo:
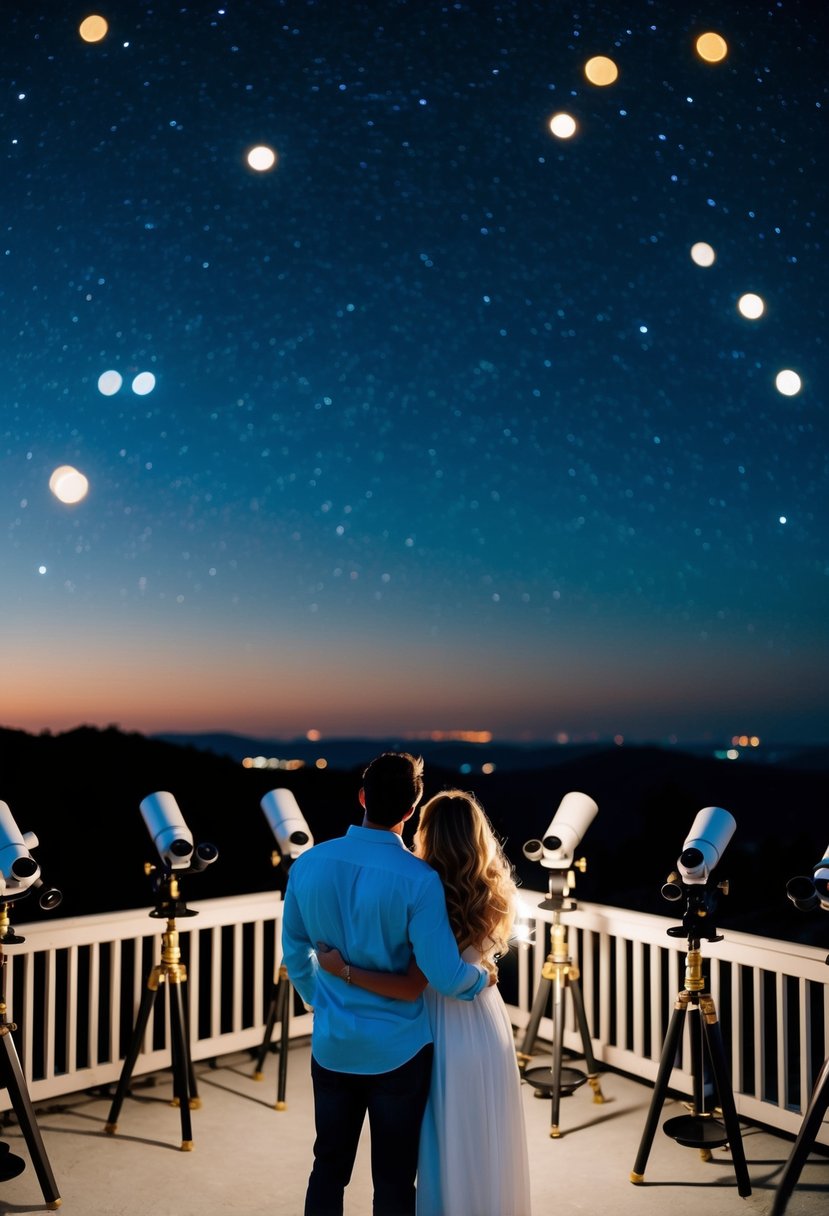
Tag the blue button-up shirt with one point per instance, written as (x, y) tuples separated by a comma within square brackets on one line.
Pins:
[(366, 894)]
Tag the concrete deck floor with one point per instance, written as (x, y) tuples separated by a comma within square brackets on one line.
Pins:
[(249, 1159)]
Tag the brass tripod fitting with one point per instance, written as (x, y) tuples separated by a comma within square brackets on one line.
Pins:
[(596, 1085), (171, 964), (558, 948), (693, 972)]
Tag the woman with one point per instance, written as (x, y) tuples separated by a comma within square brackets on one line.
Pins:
[(473, 1151)]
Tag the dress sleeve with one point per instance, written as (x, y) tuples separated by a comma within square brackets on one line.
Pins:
[(436, 950)]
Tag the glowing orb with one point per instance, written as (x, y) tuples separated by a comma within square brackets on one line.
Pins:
[(68, 485), (563, 125), (600, 70), (712, 47), (261, 158), (788, 382), (109, 383), (93, 29), (143, 383), (703, 254), (751, 306)]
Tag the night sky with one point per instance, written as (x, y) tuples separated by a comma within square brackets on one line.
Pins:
[(448, 430)]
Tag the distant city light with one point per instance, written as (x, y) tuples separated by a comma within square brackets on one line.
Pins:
[(712, 47), (703, 254), (143, 383), (788, 382), (109, 383), (600, 70), (41, 569), (733, 754), (321, 763), (751, 306), (68, 485), (783, 519), (261, 158), (488, 768), (618, 740), (563, 126), (93, 28), (272, 762), (313, 736)]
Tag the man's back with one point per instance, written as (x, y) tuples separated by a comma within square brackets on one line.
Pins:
[(366, 894)]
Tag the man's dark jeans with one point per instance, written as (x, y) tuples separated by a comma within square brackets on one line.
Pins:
[(395, 1102)]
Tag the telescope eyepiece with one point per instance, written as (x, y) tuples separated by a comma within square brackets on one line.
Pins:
[(552, 843), (299, 837), (24, 867), (181, 848), (205, 854), (691, 858), (672, 888), (50, 899), (801, 891)]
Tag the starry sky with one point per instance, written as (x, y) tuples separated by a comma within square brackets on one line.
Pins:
[(436, 424)]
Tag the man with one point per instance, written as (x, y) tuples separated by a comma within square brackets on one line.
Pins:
[(369, 896)]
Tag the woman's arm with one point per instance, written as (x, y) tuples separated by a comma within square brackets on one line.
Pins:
[(406, 987)]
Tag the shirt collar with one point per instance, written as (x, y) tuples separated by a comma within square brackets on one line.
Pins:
[(375, 835)]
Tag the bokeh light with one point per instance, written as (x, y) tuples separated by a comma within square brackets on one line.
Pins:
[(261, 158), (67, 484), (788, 382), (601, 71), (712, 47), (563, 126), (703, 254), (143, 383), (751, 306), (109, 383), (93, 28)]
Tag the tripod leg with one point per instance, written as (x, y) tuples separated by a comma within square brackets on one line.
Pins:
[(695, 1033), (14, 1081), (719, 1065), (542, 992), (558, 1047), (182, 1066), (589, 1058), (809, 1128), (663, 1077), (266, 1038), (285, 993), (144, 1011)]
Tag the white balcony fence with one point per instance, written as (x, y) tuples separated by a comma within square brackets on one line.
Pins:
[(73, 988)]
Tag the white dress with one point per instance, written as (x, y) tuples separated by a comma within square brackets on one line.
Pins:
[(473, 1145)]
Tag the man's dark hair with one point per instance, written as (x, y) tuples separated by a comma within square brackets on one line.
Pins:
[(392, 785)]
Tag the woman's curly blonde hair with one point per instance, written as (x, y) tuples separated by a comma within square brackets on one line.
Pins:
[(455, 837)]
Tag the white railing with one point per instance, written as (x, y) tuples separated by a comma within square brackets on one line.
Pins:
[(73, 987)]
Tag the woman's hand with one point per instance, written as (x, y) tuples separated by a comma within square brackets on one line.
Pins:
[(330, 959)]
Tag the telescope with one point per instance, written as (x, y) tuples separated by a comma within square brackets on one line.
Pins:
[(704, 846), (556, 847), (288, 824), (808, 891), (19, 871), (171, 835)]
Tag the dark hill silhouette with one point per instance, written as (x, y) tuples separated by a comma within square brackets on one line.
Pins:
[(80, 791)]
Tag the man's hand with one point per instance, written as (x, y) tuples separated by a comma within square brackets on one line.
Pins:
[(330, 959)]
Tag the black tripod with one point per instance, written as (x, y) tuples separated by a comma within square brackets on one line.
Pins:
[(172, 973), (559, 975), (11, 1075), (279, 1011), (699, 1128), (806, 894)]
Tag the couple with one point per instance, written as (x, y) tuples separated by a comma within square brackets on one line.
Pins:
[(366, 926)]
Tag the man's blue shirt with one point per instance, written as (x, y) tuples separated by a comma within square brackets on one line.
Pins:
[(366, 894)]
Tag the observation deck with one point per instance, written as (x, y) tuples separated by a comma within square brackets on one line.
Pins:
[(74, 987)]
